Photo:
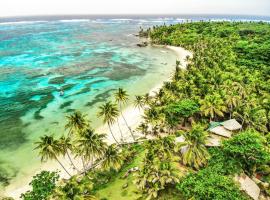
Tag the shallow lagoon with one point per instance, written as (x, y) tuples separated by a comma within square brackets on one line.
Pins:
[(86, 59)]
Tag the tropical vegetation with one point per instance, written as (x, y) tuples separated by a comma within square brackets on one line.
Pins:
[(228, 76)]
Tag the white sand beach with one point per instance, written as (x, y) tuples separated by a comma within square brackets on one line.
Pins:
[(133, 117)]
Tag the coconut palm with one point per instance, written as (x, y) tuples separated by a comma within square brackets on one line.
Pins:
[(193, 149), (76, 122), (110, 113), (66, 146), (139, 102), (49, 149), (121, 97), (147, 99), (143, 128), (120, 130), (212, 106), (112, 158), (90, 145)]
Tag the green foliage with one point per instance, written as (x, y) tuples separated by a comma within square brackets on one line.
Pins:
[(208, 185), (249, 148), (228, 74), (195, 153), (42, 186), (76, 188), (181, 109), (158, 171), (223, 164)]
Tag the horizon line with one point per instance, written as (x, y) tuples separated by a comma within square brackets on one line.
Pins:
[(134, 14)]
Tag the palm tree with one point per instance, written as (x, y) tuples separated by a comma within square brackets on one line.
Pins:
[(121, 97), (49, 148), (118, 124), (212, 106), (110, 113), (90, 145), (193, 149), (76, 122), (232, 100), (66, 146), (143, 128), (139, 102), (112, 158), (147, 99)]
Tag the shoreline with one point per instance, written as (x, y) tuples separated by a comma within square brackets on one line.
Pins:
[(132, 115)]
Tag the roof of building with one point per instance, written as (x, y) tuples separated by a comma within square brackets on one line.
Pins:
[(213, 141), (231, 125), (249, 186), (220, 130), (214, 124)]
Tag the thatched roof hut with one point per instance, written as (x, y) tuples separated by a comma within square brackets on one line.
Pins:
[(249, 186)]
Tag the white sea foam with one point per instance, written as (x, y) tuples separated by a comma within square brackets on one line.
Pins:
[(21, 22), (121, 19), (220, 20), (74, 20)]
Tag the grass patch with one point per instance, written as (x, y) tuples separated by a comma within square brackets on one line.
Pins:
[(114, 190)]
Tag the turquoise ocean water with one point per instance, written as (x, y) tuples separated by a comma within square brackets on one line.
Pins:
[(86, 58)]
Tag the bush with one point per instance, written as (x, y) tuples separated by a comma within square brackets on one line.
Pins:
[(208, 185), (223, 164), (249, 148), (42, 186)]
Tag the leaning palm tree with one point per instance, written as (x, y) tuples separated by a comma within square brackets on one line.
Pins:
[(66, 146), (109, 112), (49, 149), (76, 122), (121, 97), (90, 145), (193, 149), (112, 158)]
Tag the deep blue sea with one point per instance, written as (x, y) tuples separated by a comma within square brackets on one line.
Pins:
[(87, 57)]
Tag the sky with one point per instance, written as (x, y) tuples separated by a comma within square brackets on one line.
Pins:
[(61, 7)]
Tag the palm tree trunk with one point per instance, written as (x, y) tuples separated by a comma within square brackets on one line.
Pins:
[(120, 129), (126, 123), (231, 112), (62, 166), (71, 161), (69, 132), (112, 134), (84, 169)]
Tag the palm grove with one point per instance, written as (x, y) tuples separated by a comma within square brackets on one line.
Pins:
[(227, 77)]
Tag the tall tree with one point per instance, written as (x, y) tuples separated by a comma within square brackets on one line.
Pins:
[(66, 146), (110, 113), (112, 158), (49, 149), (121, 97), (139, 102), (193, 148), (212, 106), (91, 145), (76, 122)]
